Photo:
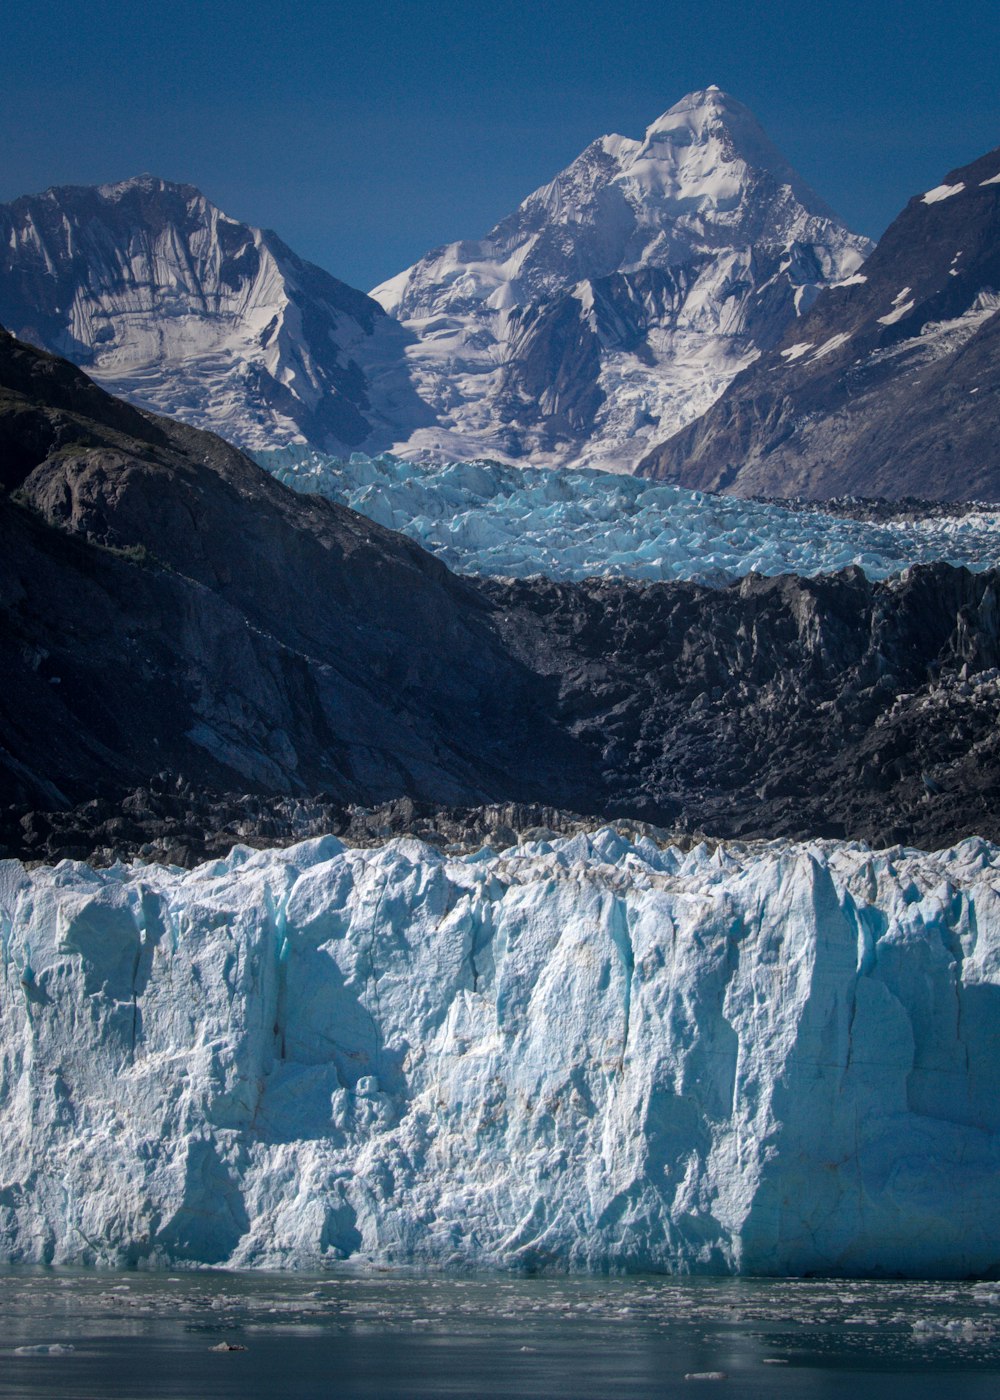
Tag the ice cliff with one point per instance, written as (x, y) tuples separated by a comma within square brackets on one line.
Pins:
[(594, 1053)]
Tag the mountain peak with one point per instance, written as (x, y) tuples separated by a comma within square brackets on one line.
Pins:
[(709, 132), (146, 183)]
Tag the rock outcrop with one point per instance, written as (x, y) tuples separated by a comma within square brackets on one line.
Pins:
[(889, 386), (168, 607)]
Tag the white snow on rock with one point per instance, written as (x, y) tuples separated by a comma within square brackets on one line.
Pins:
[(940, 192), (993, 180), (795, 352), (828, 346), (489, 519), (892, 317), (170, 303), (595, 1053), (616, 303)]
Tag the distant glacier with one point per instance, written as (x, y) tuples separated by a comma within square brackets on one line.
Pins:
[(485, 518), (596, 1053)]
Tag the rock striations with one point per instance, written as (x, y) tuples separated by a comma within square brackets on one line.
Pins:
[(889, 386), (167, 604), (181, 309)]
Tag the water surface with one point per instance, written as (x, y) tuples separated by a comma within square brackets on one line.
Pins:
[(76, 1335)]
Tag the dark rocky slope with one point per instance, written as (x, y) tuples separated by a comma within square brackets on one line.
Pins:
[(889, 386), (194, 654), (167, 604)]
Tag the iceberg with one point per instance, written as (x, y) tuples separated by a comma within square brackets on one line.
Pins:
[(491, 520), (590, 1053)]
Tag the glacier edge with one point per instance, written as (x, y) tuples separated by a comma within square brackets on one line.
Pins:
[(588, 1054)]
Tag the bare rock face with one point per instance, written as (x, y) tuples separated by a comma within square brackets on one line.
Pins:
[(167, 604), (167, 607), (888, 386)]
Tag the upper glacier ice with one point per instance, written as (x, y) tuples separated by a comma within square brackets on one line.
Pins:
[(594, 1053), (486, 518)]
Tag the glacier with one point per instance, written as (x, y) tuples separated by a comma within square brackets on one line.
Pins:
[(593, 1053), (489, 519)]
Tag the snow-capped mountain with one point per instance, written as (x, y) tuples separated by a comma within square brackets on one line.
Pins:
[(618, 301), (890, 386), (165, 300)]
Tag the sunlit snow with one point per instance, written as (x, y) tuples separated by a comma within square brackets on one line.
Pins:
[(897, 315), (940, 192)]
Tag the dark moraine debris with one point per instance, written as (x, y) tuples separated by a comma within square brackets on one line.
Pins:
[(168, 608)]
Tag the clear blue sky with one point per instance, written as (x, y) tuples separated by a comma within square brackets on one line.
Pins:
[(367, 133)]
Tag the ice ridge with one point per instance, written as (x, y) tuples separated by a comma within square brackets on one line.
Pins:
[(485, 518), (594, 1053)]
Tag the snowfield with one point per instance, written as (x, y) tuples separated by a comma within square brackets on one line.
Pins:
[(489, 519), (594, 1053)]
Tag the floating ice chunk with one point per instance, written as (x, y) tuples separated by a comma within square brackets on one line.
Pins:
[(940, 192)]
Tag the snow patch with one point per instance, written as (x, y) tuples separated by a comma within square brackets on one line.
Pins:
[(940, 192), (828, 346), (795, 352), (893, 316)]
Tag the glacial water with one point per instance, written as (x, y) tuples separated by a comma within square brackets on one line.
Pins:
[(79, 1334)]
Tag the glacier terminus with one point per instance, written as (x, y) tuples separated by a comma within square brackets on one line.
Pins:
[(594, 1053)]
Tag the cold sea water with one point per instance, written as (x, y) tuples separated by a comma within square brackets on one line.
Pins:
[(78, 1335)]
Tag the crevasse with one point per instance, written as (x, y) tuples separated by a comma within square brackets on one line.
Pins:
[(488, 519), (590, 1054)]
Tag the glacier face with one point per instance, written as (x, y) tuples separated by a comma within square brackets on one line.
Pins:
[(492, 520), (595, 1053), (616, 303)]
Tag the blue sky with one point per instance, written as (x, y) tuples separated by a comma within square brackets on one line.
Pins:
[(368, 133)]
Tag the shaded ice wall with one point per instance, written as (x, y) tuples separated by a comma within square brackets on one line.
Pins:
[(591, 1054)]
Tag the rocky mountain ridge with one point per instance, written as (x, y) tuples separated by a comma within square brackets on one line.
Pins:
[(621, 297), (167, 605), (890, 385), (167, 301)]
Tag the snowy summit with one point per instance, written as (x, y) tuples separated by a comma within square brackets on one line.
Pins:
[(617, 301)]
